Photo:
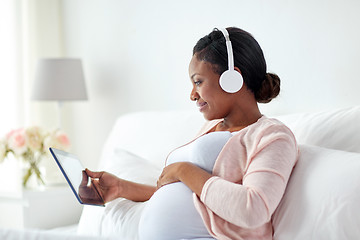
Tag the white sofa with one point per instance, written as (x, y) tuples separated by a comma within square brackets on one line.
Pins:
[(322, 198), (321, 201)]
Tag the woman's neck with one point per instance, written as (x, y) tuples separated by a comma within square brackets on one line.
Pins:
[(239, 119)]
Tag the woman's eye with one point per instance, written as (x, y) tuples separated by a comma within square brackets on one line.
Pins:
[(197, 83)]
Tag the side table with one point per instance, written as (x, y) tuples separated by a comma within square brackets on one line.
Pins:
[(40, 209)]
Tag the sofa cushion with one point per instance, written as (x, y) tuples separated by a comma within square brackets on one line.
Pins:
[(322, 197)]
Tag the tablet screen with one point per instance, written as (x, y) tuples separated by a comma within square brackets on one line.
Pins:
[(75, 175)]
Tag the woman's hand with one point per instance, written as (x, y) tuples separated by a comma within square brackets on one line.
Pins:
[(191, 175), (108, 185), (170, 174)]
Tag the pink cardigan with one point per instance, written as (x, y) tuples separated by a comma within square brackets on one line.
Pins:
[(250, 177)]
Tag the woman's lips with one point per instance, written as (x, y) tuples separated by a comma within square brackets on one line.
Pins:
[(201, 105)]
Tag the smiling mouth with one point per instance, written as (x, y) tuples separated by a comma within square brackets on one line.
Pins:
[(201, 105)]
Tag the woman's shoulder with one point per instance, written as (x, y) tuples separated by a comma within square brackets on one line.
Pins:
[(266, 130), (278, 126), (269, 125)]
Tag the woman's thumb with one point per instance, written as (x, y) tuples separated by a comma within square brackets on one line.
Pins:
[(93, 174)]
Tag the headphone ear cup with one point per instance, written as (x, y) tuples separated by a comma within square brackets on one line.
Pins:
[(231, 81)]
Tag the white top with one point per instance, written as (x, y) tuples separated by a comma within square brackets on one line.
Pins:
[(170, 213)]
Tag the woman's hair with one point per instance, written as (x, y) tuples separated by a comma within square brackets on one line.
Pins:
[(248, 57)]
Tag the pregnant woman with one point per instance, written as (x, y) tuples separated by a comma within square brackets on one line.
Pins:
[(228, 181)]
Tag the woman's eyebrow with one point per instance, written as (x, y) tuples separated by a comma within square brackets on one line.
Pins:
[(192, 76)]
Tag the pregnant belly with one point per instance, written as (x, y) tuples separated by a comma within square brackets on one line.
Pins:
[(171, 214)]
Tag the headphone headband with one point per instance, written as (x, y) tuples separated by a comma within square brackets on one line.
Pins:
[(229, 48)]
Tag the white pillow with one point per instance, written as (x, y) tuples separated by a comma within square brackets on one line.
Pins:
[(322, 198), (152, 135), (120, 217), (338, 129)]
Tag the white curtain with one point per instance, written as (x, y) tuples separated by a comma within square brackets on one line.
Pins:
[(29, 30), (10, 73)]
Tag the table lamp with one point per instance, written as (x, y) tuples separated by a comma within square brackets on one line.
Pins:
[(59, 79)]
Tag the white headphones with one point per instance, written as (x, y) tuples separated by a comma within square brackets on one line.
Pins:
[(231, 80)]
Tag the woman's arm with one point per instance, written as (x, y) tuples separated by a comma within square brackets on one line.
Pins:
[(251, 203), (111, 187)]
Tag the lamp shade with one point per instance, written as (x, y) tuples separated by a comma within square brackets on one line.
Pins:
[(59, 79)]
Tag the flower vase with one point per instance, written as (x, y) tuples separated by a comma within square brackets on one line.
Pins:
[(32, 175)]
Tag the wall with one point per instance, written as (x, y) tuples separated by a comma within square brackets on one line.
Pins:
[(136, 55)]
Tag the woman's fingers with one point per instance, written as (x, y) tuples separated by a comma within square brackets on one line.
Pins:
[(94, 174)]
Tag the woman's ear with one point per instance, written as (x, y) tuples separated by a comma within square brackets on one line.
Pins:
[(237, 69)]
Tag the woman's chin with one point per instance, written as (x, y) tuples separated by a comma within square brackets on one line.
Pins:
[(208, 116)]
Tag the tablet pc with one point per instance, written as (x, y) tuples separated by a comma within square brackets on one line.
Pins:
[(78, 180)]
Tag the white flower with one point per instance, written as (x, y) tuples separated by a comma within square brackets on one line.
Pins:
[(34, 138)]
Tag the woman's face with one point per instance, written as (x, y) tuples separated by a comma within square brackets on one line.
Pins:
[(212, 101)]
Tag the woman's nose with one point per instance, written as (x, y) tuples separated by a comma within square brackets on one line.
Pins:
[(194, 96)]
